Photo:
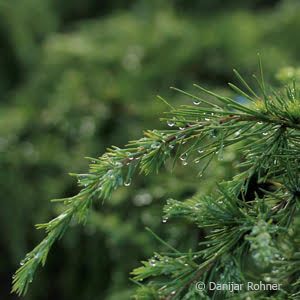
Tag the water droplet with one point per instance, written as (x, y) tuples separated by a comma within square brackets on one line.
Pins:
[(155, 146), (186, 265), (184, 163), (21, 263), (181, 128), (268, 279), (197, 102), (37, 255), (165, 220), (200, 151), (153, 262), (170, 123), (207, 119), (259, 123), (128, 182), (171, 146), (265, 133), (137, 158), (173, 293), (213, 133), (197, 161), (183, 142), (130, 158), (183, 157)]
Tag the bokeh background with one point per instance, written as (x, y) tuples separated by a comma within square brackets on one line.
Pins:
[(79, 76)]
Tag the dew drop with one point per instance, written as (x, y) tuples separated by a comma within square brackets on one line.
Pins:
[(130, 158), (171, 146), (37, 256), (197, 161), (165, 220), (173, 293), (21, 263), (207, 119), (181, 128), (184, 163), (197, 102), (268, 279), (183, 157), (155, 146), (213, 133), (265, 133), (128, 182), (170, 123), (153, 262)]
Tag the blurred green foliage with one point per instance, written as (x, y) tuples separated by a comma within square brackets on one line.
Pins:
[(77, 77)]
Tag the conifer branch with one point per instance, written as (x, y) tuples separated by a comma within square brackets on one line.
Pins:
[(271, 129)]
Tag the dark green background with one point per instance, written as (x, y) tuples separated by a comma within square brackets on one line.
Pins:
[(79, 76)]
